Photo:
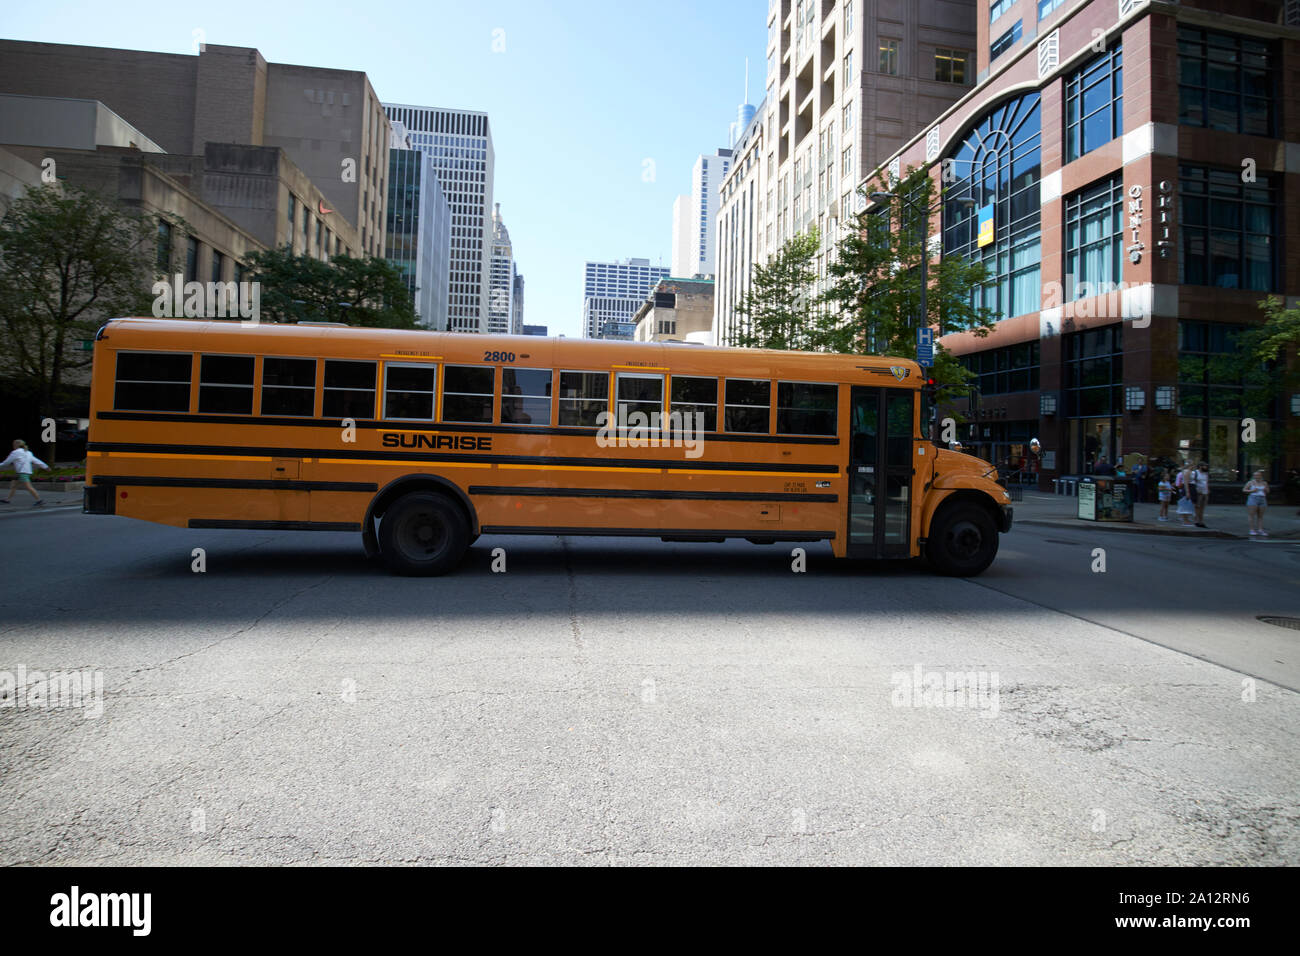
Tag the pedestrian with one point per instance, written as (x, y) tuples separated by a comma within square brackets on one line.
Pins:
[(1165, 491), (1256, 501), (1186, 494), (1102, 466), (1202, 476), (21, 460), (1140, 471)]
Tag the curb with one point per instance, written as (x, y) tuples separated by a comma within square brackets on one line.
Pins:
[(1132, 529)]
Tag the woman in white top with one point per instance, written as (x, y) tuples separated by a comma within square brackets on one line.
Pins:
[(1256, 491), (21, 461)]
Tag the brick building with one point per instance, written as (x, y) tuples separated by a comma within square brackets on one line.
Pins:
[(1135, 166)]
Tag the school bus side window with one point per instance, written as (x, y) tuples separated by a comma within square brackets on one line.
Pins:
[(526, 396), (692, 396), (289, 387), (226, 384), (748, 403), (467, 392), (349, 390), (409, 391), (153, 381), (806, 408), (583, 396)]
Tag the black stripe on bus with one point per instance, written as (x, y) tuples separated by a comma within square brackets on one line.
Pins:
[(225, 525), (243, 483), (685, 534), (449, 428), (559, 462), (535, 492)]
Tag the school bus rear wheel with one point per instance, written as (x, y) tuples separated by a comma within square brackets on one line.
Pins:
[(423, 533)]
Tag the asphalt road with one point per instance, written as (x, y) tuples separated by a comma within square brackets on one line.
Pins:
[(610, 701)]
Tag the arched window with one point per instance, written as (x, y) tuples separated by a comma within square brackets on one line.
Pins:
[(997, 164)]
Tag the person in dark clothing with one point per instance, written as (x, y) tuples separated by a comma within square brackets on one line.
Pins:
[(1102, 466)]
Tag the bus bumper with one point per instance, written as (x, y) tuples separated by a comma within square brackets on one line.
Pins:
[(1004, 523), (97, 500)]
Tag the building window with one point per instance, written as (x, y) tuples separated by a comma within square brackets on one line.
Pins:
[(1004, 43), (1094, 239), (847, 119), (1094, 104), (191, 259), (164, 255), (888, 57), (526, 396), (950, 65), (997, 164), (1213, 399), (349, 390), (1227, 82), (1228, 229), (226, 384), (999, 7), (218, 266), (1005, 370), (1047, 6), (293, 217), (846, 163)]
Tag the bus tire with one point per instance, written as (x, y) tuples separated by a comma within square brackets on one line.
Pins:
[(423, 533), (963, 540)]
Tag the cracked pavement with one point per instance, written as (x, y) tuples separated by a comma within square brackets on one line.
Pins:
[(631, 702)]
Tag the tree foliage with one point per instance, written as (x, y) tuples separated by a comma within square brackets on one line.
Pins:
[(365, 291), (875, 287), (779, 308), (69, 259)]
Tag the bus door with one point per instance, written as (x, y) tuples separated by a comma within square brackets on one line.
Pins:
[(880, 472)]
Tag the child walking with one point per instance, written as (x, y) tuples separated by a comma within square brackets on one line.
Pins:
[(22, 460), (1165, 490)]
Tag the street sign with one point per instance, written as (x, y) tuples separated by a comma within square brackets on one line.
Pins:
[(925, 356), (925, 337)]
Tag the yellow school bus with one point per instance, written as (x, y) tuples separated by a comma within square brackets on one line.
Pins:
[(422, 441)]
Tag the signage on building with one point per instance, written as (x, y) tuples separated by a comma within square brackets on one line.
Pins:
[(1136, 246), (986, 225), (1165, 203)]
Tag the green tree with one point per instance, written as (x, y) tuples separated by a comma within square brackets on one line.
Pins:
[(1279, 334), (780, 307), (875, 289), (69, 259), (364, 291)]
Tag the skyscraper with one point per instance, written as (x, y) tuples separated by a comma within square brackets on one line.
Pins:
[(695, 240), (612, 292), (418, 237), (517, 310), (460, 144), (847, 84), (501, 293)]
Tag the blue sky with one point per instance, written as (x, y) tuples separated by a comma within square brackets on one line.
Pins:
[(582, 96)]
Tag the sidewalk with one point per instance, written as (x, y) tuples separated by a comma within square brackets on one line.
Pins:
[(1282, 521)]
